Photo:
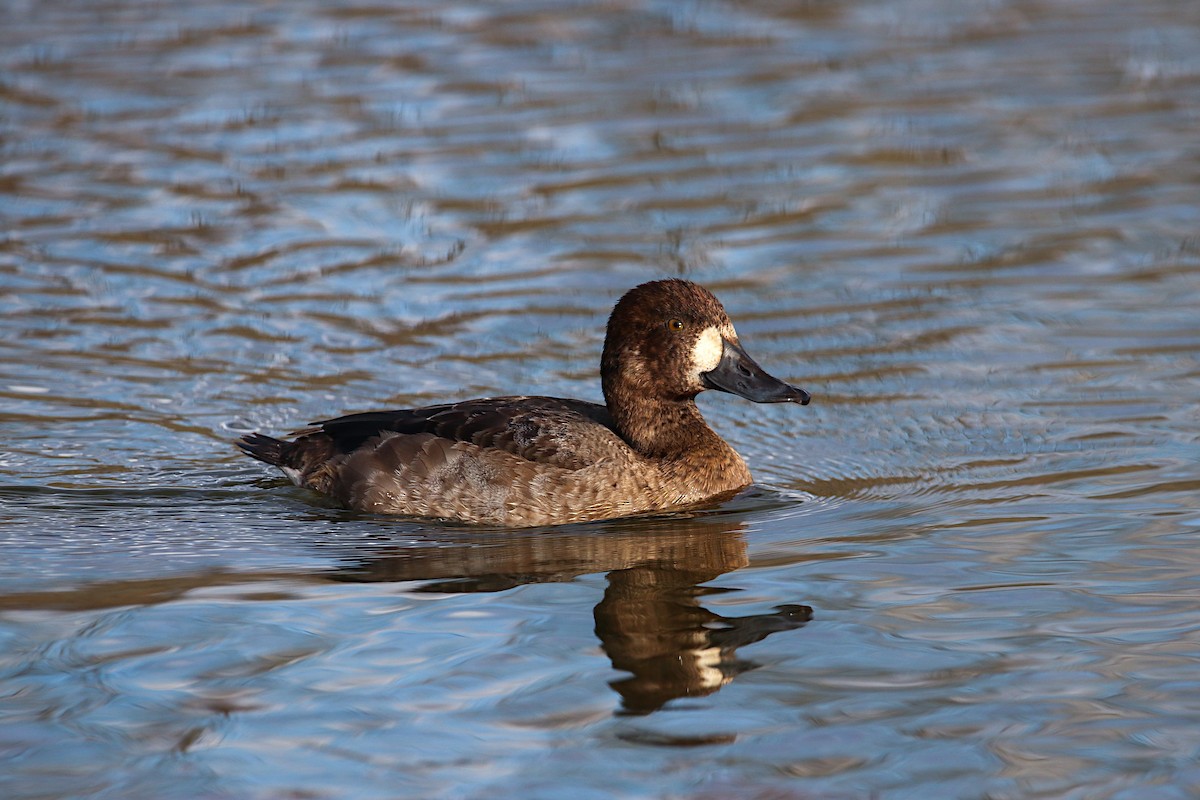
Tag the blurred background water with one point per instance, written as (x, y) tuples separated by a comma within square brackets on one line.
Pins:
[(968, 569)]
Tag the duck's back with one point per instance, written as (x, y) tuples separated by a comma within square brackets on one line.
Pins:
[(543, 430), (504, 461)]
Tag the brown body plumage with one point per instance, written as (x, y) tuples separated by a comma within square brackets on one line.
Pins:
[(523, 461)]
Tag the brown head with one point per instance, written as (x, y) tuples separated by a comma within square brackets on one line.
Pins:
[(667, 341)]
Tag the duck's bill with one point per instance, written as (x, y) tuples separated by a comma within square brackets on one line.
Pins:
[(739, 374)]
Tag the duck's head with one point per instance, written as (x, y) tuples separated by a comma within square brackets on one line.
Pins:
[(669, 340)]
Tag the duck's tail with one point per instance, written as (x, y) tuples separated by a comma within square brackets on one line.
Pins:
[(267, 450)]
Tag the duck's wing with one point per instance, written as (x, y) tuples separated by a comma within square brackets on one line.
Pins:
[(570, 434)]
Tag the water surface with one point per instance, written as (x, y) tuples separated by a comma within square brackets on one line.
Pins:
[(968, 569)]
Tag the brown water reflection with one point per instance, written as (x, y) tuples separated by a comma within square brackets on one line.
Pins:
[(650, 622)]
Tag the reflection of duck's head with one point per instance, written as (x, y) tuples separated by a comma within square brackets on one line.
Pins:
[(652, 624), (674, 647)]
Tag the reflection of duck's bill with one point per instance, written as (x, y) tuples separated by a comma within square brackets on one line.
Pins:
[(740, 374)]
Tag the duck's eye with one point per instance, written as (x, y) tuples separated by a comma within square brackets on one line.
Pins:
[(674, 324)]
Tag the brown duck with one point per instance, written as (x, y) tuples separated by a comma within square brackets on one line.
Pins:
[(524, 461)]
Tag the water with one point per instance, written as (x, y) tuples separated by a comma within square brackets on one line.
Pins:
[(968, 569)]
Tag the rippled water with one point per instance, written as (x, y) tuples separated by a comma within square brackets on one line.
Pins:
[(971, 229)]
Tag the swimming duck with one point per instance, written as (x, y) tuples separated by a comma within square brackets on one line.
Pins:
[(526, 461)]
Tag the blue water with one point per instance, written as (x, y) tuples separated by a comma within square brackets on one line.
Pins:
[(968, 569)]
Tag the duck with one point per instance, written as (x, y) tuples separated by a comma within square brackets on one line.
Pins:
[(531, 461)]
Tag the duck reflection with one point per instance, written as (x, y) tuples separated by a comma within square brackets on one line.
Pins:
[(650, 622)]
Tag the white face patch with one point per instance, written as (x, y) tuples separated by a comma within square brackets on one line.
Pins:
[(707, 351)]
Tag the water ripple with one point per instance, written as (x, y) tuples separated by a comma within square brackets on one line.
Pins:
[(968, 228)]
